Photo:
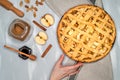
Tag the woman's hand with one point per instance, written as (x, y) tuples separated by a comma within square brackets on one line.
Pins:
[(60, 71)]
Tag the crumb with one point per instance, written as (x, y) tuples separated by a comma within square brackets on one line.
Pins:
[(35, 8), (34, 14), (39, 3), (21, 3), (27, 1), (42, 0)]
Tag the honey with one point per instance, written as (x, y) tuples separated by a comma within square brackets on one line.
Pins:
[(26, 50)]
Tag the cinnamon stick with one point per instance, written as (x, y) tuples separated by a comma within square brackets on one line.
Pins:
[(37, 24), (46, 50)]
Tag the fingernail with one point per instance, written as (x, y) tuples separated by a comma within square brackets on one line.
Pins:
[(62, 55)]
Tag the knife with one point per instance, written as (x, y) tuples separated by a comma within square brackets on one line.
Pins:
[(93, 1), (73, 77)]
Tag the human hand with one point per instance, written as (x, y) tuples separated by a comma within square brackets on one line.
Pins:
[(60, 71)]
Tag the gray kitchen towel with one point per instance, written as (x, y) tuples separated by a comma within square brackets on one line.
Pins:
[(99, 70), (61, 6)]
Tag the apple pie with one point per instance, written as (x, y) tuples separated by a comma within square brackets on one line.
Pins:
[(86, 33)]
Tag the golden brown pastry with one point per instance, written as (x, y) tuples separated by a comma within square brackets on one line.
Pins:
[(86, 33)]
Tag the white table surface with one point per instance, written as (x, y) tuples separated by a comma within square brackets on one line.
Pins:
[(14, 68)]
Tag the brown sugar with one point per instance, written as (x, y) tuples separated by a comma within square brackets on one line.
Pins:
[(19, 30)]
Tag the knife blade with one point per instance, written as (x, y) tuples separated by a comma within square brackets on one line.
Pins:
[(93, 1)]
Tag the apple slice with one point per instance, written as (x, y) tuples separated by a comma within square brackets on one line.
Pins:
[(44, 22), (43, 35), (50, 19), (47, 20), (41, 38), (39, 41)]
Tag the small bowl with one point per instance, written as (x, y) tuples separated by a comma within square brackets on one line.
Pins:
[(26, 50), (19, 30)]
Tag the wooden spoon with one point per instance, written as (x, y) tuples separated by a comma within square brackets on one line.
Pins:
[(32, 57)]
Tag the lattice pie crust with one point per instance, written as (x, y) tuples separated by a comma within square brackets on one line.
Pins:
[(86, 33)]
